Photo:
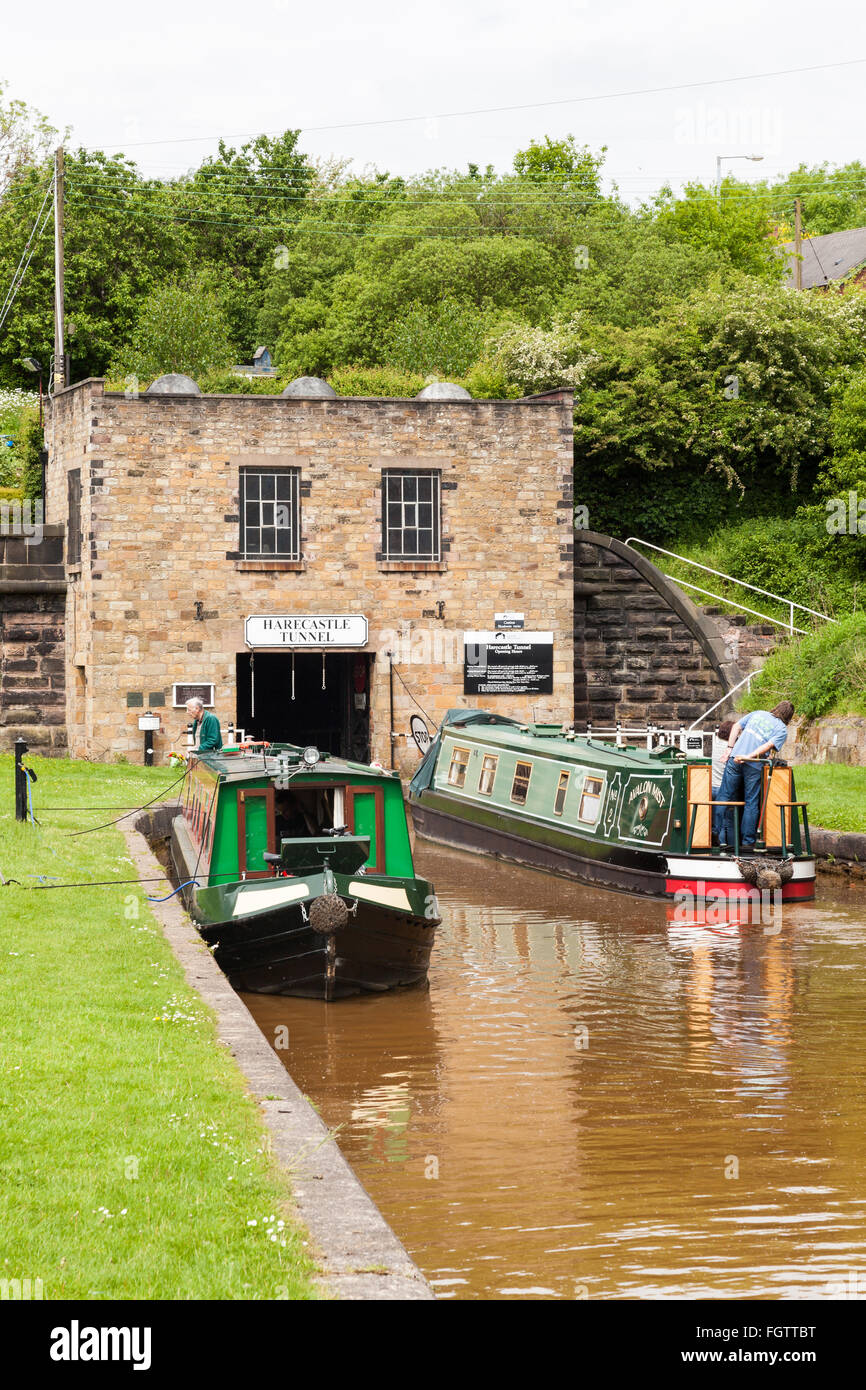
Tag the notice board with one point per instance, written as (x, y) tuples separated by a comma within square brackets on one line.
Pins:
[(508, 663)]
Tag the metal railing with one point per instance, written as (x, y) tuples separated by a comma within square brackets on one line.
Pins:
[(734, 603)]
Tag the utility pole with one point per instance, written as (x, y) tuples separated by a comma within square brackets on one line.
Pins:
[(798, 243), (59, 334)]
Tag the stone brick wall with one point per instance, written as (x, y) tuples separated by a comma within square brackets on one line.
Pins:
[(642, 651), (32, 657), (160, 527), (837, 738)]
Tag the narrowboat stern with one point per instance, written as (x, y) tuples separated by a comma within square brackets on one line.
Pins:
[(297, 868)]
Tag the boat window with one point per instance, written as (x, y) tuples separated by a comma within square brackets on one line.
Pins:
[(487, 775), (590, 800), (561, 790), (520, 785), (457, 770)]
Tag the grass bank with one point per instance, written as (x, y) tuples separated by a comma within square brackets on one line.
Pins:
[(134, 1164), (836, 795), (823, 673)]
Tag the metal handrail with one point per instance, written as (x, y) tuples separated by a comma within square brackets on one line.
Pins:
[(744, 583), (747, 681)]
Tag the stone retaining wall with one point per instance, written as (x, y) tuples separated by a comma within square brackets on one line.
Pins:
[(839, 738), (32, 642), (643, 651)]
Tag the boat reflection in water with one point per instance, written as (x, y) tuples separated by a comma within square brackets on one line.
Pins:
[(595, 1099)]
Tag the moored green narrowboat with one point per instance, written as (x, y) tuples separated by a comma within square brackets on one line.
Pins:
[(630, 818), (297, 867)]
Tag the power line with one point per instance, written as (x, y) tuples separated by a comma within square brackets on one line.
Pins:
[(21, 269), (499, 110)]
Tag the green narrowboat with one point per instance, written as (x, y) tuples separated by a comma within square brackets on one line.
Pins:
[(634, 819), (297, 868)]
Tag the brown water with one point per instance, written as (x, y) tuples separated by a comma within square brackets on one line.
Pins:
[(592, 1100)]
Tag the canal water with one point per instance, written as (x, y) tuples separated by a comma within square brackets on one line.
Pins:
[(597, 1098)]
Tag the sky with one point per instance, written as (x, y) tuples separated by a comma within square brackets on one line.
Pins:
[(161, 82)]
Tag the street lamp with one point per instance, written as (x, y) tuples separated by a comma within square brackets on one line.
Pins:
[(34, 365), (755, 158)]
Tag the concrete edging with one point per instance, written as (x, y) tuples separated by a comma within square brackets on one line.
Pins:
[(359, 1254)]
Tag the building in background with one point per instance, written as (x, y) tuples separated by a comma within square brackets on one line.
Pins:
[(321, 569)]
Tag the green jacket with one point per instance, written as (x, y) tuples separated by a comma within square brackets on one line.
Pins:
[(211, 738)]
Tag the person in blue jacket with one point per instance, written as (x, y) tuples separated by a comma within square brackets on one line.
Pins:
[(752, 738)]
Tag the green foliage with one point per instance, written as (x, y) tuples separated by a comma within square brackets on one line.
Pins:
[(793, 556), (444, 338), (219, 382), (18, 415), (561, 164), (179, 328), (733, 224), (32, 446), (731, 382), (845, 467), (833, 200), (376, 381), (822, 673)]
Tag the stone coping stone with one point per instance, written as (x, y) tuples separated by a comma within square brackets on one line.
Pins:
[(359, 1255), (838, 844)]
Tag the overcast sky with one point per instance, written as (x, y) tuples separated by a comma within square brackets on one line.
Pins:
[(184, 73)]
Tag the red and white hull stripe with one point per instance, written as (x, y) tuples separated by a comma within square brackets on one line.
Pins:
[(704, 876)]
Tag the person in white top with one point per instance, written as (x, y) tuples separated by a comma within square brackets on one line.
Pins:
[(720, 753)]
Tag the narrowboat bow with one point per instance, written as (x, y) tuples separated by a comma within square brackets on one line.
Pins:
[(628, 818), (297, 869)]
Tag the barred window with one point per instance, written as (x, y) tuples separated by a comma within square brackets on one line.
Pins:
[(73, 517), (270, 513), (411, 514)]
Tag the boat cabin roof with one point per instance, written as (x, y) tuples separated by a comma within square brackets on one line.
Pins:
[(240, 766), (549, 740)]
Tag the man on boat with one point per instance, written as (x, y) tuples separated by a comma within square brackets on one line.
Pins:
[(206, 735), (753, 736)]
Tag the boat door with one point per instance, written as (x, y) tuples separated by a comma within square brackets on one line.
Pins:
[(255, 831), (365, 808)]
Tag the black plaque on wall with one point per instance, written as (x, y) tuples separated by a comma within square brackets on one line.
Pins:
[(508, 663)]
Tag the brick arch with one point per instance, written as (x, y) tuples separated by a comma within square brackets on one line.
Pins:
[(642, 650)]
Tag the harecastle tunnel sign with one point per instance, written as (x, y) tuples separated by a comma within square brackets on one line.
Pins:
[(314, 630)]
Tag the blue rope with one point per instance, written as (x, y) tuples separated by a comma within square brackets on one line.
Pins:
[(189, 881), (30, 795)]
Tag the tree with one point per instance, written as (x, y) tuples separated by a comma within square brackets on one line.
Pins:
[(121, 241), (736, 224), (179, 328), (26, 137), (561, 164), (732, 385)]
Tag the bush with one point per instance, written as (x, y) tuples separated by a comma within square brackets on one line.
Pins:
[(375, 381), (823, 673), (794, 556)]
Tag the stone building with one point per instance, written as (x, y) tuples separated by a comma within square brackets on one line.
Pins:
[(322, 566)]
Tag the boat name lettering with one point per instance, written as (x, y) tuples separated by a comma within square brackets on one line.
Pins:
[(648, 789)]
